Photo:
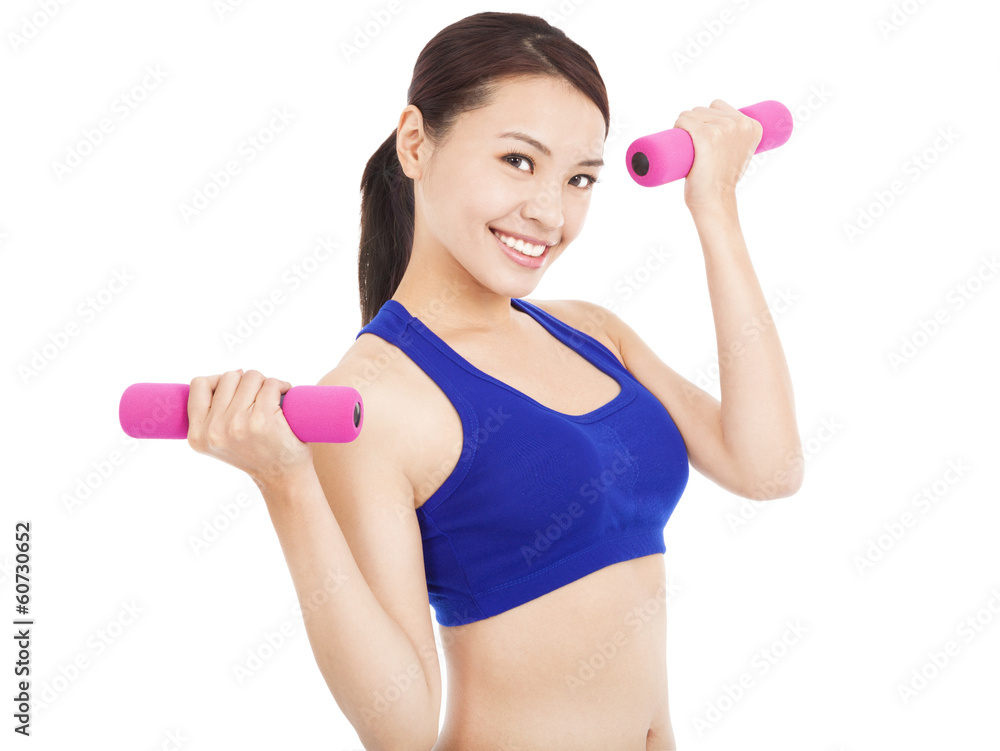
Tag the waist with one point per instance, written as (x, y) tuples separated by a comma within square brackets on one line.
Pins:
[(581, 667)]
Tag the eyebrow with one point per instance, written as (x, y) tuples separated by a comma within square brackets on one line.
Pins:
[(545, 150)]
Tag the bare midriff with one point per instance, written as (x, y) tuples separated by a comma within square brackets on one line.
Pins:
[(582, 667)]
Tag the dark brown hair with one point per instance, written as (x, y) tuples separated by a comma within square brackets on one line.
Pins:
[(457, 71)]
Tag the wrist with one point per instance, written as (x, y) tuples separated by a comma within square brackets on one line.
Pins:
[(715, 215), (285, 481), (721, 204)]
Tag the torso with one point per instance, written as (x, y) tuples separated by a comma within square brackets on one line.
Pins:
[(584, 666)]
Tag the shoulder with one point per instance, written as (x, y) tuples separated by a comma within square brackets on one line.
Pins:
[(592, 319), (384, 377), (373, 366)]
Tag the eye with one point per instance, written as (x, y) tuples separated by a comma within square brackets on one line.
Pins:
[(522, 157), (591, 181)]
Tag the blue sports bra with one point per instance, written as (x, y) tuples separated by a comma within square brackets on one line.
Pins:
[(538, 498)]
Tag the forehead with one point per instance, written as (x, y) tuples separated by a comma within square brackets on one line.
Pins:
[(549, 109)]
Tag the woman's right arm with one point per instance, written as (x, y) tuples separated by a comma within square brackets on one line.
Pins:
[(370, 663), (348, 531)]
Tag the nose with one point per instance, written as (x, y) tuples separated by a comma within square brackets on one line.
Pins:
[(546, 207)]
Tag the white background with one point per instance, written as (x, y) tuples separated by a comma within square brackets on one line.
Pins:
[(872, 86)]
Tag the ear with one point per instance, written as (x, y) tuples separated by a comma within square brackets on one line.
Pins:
[(412, 146)]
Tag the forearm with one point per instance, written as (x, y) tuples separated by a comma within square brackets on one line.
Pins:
[(370, 666), (758, 409)]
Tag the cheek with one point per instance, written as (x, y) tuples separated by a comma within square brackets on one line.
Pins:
[(576, 212), (456, 186), (484, 204), (493, 197)]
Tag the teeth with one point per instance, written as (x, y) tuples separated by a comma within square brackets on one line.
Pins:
[(519, 245)]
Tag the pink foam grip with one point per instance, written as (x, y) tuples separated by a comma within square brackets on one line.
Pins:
[(323, 414), (315, 414), (669, 155)]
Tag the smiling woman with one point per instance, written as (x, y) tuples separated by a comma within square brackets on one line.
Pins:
[(514, 473), (541, 473)]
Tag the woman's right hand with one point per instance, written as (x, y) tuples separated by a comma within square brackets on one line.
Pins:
[(237, 417)]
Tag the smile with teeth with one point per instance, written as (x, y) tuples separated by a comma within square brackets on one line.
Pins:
[(520, 245)]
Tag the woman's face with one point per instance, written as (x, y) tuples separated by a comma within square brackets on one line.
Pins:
[(473, 183)]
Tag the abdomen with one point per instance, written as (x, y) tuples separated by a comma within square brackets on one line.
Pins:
[(581, 667)]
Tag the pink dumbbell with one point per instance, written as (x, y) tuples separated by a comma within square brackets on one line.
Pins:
[(668, 155), (316, 414)]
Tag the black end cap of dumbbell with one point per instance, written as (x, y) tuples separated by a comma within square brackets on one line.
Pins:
[(640, 164)]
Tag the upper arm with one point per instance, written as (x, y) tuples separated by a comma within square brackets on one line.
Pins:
[(372, 500), (697, 414)]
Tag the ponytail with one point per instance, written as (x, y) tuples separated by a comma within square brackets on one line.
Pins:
[(386, 228)]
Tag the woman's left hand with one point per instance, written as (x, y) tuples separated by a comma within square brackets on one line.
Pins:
[(724, 143)]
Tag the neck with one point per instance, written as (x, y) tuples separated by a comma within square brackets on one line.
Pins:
[(447, 299)]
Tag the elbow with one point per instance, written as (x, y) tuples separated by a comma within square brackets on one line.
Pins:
[(411, 733), (430, 740), (784, 479), (785, 491), (408, 736), (419, 743), (392, 725), (413, 741)]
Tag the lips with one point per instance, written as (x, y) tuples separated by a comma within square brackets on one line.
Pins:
[(525, 238), (523, 259)]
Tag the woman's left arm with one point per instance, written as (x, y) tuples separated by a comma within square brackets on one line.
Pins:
[(748, 444), (757, 408), (758, 423)]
